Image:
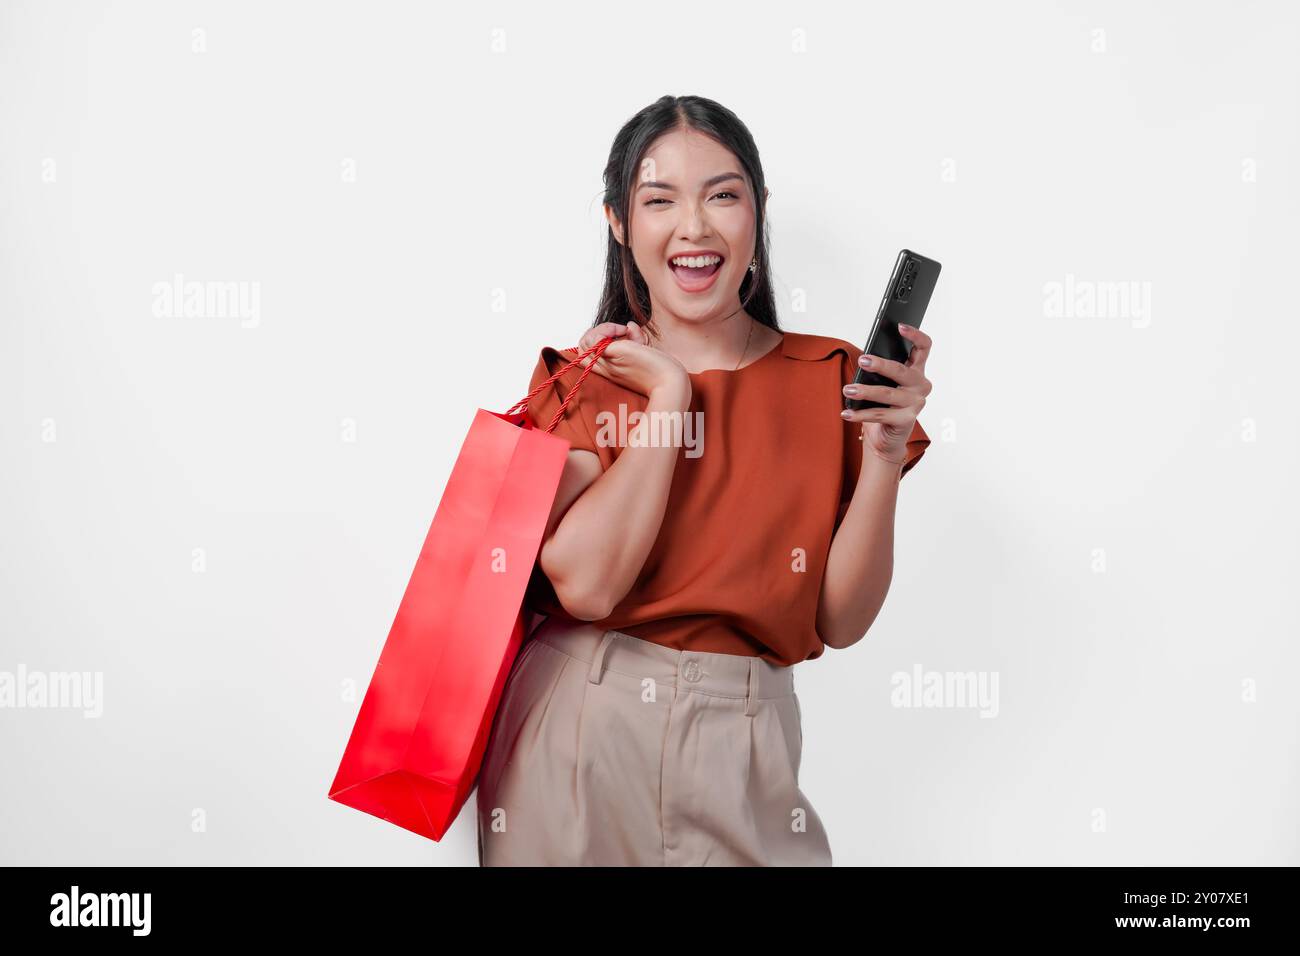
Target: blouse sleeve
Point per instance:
(573, 426)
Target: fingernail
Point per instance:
(864, 360)
(846, 414)
(905, 327)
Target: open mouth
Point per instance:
(695, 273)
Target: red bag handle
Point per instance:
(522, 405)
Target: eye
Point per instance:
(660, 199)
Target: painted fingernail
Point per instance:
(906, 328)
(846, 414)
(850, 390)
(864, 360)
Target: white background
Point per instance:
(1105, 519)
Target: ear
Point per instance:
(615, 226)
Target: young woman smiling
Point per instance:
(651, 718)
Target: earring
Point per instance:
(753, 264)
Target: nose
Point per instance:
(694, 221)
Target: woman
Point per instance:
(700, 549)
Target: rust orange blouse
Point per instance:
(765, 469)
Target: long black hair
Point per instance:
(625, 296)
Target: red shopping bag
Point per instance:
(418, 741)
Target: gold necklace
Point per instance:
(746, 352)
(747, 341)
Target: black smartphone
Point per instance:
(906, 297)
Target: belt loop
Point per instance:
(751, 698)
(598, 659)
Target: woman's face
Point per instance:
(691, 196)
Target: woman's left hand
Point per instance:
(885, 430)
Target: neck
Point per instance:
(715, 342)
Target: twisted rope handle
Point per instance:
(522, 404)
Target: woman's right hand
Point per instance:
(632, 362)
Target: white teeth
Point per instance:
(695, 262)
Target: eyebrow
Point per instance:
(720, 178)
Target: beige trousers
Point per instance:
(608, 750)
